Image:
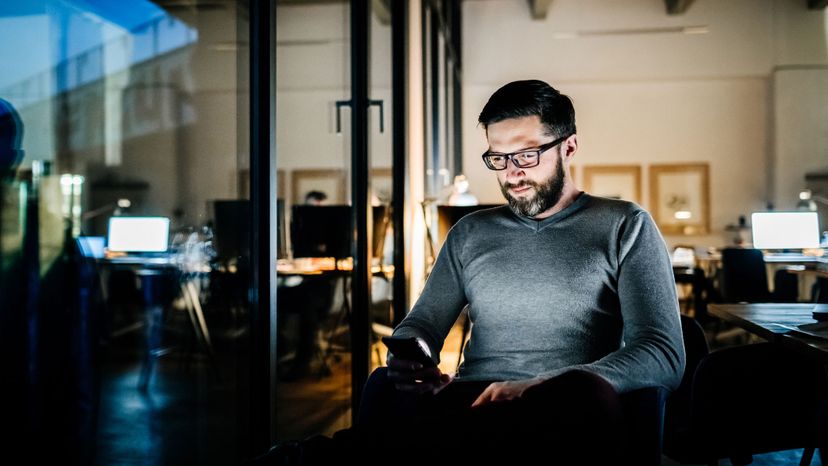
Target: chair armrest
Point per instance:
(644, 416)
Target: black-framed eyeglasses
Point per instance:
(521, 159)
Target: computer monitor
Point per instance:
(231, 229)
(785, 230)
(321, 231)
(138, 234)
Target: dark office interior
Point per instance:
(211, 211)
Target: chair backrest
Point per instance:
(820, 290)
(755, 398)
(677, 412)
(785, 287)
(744, 278)
(695, 349)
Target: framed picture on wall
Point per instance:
(614, 181)
(680, 198)
(330, 181)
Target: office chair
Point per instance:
(678, 435)
(743, 276)
(819, 292)
(643, 410)
(744, 279)
(740, 401)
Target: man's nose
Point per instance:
(512, 167)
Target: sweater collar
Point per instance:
(538, 225)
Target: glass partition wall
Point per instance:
(335, 274)
(125, 345)
(442, 103)
(442, 110)
(313, 147)
(135, 239)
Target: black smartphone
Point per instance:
(409, 348)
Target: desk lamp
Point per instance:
(808, 201)
(116, 207)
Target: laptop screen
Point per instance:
(92, 246)
(138, 234)
(785, 230)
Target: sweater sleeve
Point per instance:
(441, 301)
(653, 350)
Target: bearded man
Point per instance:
(572, 302)
(571, 296)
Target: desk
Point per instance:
(775, 323)
(309, 294)
(711, 264)
(321, 265)
(151, 270)
(817, 273)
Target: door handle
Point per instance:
(380, 104)
(349, 103)
(339, 105)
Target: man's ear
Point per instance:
(570, 147)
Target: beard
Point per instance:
(547, 194)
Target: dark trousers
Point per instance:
(575, 418)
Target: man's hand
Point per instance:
(504, 391)
(410, 376)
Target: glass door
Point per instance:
(333, 141)
(313, 154)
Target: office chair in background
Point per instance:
(740, 401)
(744, 279)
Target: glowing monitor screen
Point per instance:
(92, 246)
(785, 230)
(138, 234)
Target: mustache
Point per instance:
(519, 184)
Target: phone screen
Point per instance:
(408, 348)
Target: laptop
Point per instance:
(139, 236)
(92, 247)
(785, 234)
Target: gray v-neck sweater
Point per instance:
(590, 287)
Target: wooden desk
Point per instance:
(776, 323)
(321, 265)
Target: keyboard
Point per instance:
(789, 257)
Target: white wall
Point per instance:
(801, 143)
(312, 73)
(653, 97)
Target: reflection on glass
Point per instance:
(125, 352)
(314, 278)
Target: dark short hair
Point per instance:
(528, 98)
(316, 196)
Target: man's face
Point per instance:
(530, 191)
